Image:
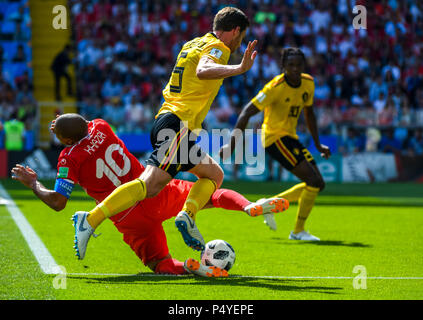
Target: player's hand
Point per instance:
(324, 151)
(25, 175)
(249, 56)
(53, 124)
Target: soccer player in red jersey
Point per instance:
(96, 159)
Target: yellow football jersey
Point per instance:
(187, 96)
(282, 105)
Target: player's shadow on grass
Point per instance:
(411, 203)
(326, 243)
(274, 284)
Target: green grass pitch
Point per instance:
(375, 226)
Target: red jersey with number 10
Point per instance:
(99, 163)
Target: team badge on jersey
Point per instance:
(216, 53)
(63, 172)
(305, 96)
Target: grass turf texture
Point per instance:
(377, 226)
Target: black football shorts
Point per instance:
(289, 152)
(174, 145)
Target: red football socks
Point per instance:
(170, 266)
(229, 200)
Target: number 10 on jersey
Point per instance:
(110, 168)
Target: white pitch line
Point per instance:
(41, 253)
(49, 266)
(239, 276)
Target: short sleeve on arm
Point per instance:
(308, 101)
(264, 98)
(218, 52)
(66, 176)
(67, 169)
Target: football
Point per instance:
(218, 253)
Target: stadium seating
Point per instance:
(135, 43)
(15, 32)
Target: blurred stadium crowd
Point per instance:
(16, 97)
(367, 78)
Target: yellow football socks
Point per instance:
(122, 198)
(293, 194)
(305, 204)
(96, 216)
(198, 196)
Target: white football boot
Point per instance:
(83, 232)
(195, 267)
(189, 231)
(303, 235)
(265, 206)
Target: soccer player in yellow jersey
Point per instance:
(195, 80)
(282, 100)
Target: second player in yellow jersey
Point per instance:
(282, 105)
(282, 100)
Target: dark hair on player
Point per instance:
(287, 52)
(229, 18)
(71, 126)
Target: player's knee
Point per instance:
(218, 178)
(316, 182)
(153, 189)
(214, 172)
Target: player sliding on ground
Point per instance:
(98, 160)
(195, 80)
(282, 100)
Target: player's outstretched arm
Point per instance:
(310, 118)
(28, 178)
(249, 110)
(207, 69)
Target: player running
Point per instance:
(195, 80)
(282, 100)
(98, 160)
